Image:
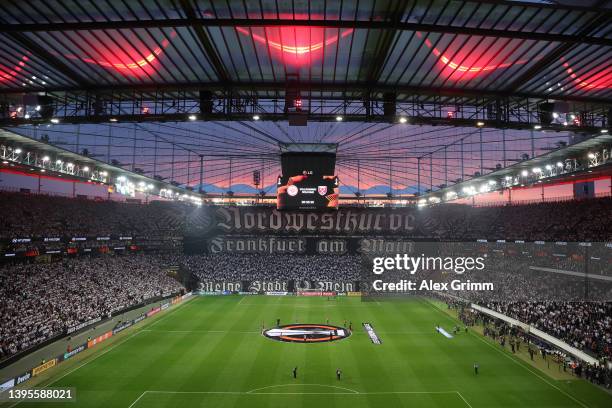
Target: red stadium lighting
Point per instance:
(467, 65)
(296, 45)
(597, 78)
(126, 57)
(7, 73)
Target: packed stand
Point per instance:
(223, 267)
(46, 216)
(584, 220)
(584, 325)
(40, 301)
(578, 323)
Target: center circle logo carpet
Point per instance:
(307, 333)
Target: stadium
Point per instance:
(275, 203)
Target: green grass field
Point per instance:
(209, 353)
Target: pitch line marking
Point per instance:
(531, 371)
(106, 351)
(515, 360)
(137, 399)
(194, 392)
(86, 362)
(202, 331)
(407, 392)
(96, 357)
(286, 305)
(348, 391)
(254, 391)
(259, 332)
(464, 400)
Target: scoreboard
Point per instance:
(308, 181)
(307, 192)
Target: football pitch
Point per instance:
(210, 352)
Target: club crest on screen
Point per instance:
(292, 191)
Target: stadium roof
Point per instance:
(335, 47)
(487, 65)
(54, 160)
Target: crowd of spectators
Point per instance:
(578, 220)
(230, 268)
(47, 216)
(567, 307)
(40, 301)
(584, 325)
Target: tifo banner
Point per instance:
(99, 339)
(258, 286)
(250, 245)
(223, 286)
(264, 230)
(344, 221)
(285, 245)
(261, 286)
(43, 367)
(326, 286)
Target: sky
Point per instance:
(371, 157)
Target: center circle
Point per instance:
(307, 333)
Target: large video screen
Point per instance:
(307, 192)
